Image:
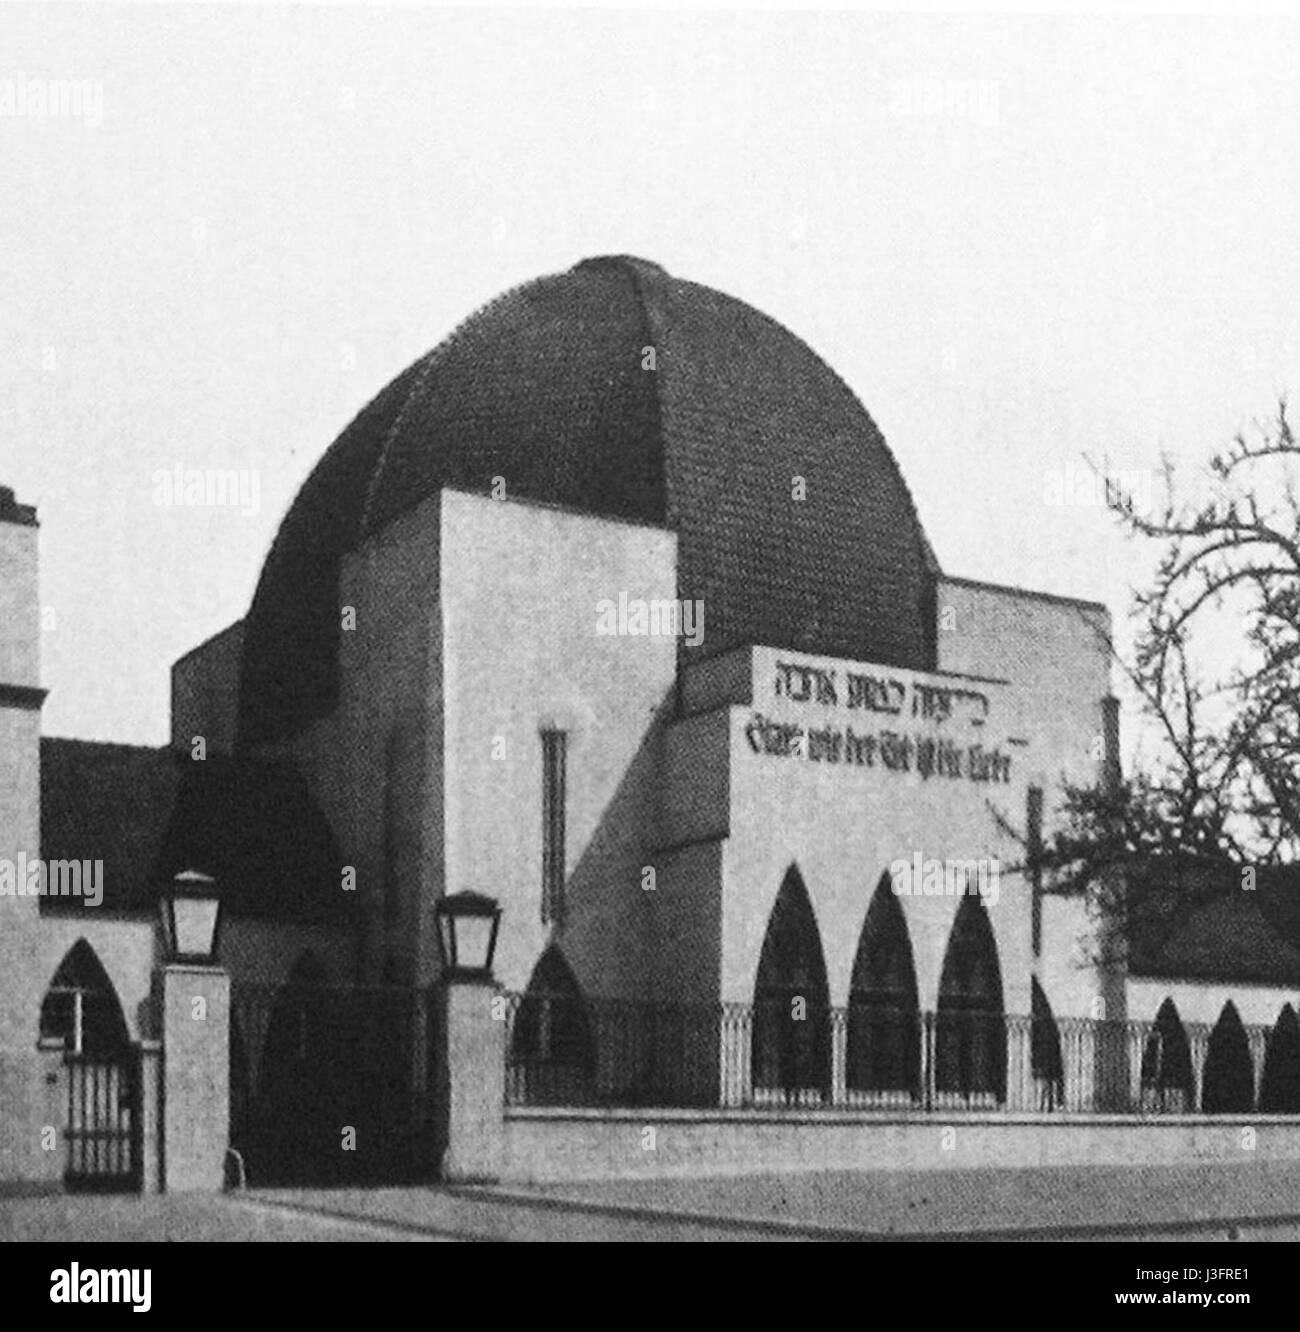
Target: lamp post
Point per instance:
(195, 1035)
(473, 1089)
(191, 918)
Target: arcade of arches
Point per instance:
(881, 1049)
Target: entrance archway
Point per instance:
(81, 1014)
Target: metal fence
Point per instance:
(563, 1050)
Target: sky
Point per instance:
(1022, 241)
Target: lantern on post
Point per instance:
(191, 918)
(467, 935)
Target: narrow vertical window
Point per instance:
(553, 801)
(1110, 769)
(1034, 854)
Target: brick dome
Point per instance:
(547, 386)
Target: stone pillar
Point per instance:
(24, 1114)
(148, 1132)
(1114, 1074)
(49, 1100)
(839, 1023)
(473, 1083)
(196, 1077)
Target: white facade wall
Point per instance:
(844, 823)
(1053, 653)
(520, 589)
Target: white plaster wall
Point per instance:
(520, 588)
(20, 627)
(843, 825)
(1052, 651)
(1067, 968)
(22, 953)
(549, 1146)
(1200, 1002)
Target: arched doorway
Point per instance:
(970, 1054)
(1279, 1087)
(1045, 1051)
(1167, 1064)
(883, 1051)
(81, 1015)
(552, 1049)
(1228, 1083)
(791, 1044)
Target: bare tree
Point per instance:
(1227, 586)
(1216, 665)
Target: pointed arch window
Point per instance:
(554, 767)
(552, 1047)
(1228, 1083)
(970, 1029)
(791, 1043)
(1045, 1051)
(1279, 1087)
(1167, 1064)
(80, 1010)
(883, 1050)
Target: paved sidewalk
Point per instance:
(1213, 1202)
(976, 1202)
(1224, 1202)
(62, 1219)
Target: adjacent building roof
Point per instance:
(1201, 924)
(621, 391)
(147, 813)
(13, 512)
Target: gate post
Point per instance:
(196, 1077)
(475, 1084)
(472, 1072)
(148, 1137)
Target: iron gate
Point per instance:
(332, 1085)
(103, 1128)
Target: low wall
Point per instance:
(555, 1145)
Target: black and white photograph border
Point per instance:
(649, 624)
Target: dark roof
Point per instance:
(545, 387)
(13, 512)
(1199, 923)
(111, 803)
(147, 813)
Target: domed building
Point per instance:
(607, 435)
(616, 608)
(617, 391)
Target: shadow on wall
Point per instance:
(608, 913)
